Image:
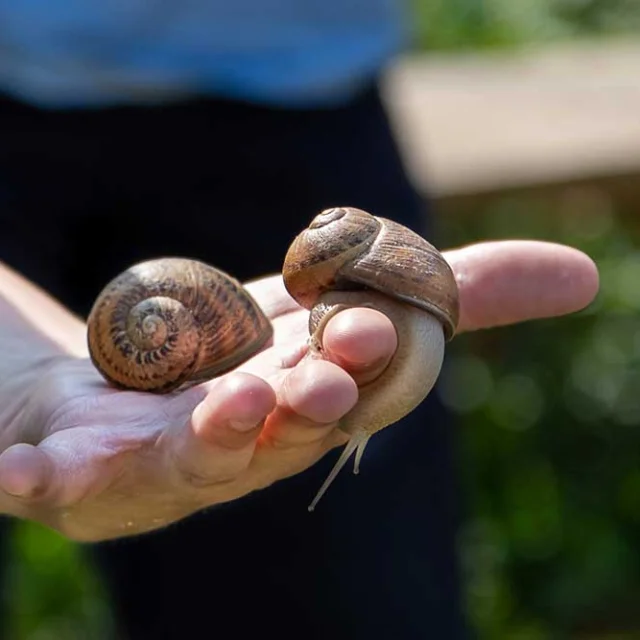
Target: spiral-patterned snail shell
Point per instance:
(170, 323)
(350, 258)
(347, 249)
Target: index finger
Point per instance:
(511, 281)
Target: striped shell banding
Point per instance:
(170, 323)
(347, 249)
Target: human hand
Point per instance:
(96, 463)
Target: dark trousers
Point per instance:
(85, 194)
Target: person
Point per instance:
(216, 130)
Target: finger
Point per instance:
(24, 474)
(506, 282)
(311, 399)
(361, 341)
(67, 467)
(218, 441)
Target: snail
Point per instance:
(167, 324)
(348, 257)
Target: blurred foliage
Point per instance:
(481, 24)
(550, 434)
(549, 411)
(50, 589)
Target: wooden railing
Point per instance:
(483, 123)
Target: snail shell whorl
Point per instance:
(173, 322)
(349, 249)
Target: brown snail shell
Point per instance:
(170, 323)
(347, 249)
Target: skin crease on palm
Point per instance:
(95, 463)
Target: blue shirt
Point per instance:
(77, 53)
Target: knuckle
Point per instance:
(193, 476)
(194, 479)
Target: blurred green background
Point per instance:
(550, 435)
(549, 411)
(480, 24)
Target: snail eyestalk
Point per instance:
(357, 443)
(359, 453)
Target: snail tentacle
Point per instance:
(357, 443)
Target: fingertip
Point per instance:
(576, 277)
(23, 471)
(360, 336)
(362, 341)
(319, 391)
(240, 400)
(589, 279)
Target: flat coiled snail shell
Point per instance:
(347, 258)
(170, 323)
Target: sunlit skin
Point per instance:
(95, 463)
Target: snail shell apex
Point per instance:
(170, 323)
(349, 249)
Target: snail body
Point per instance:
(169, 323)
(347, 258)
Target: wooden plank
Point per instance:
(485, 122)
